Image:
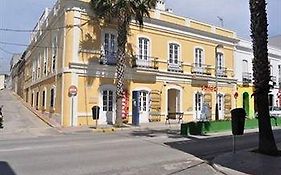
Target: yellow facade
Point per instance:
(164, 87)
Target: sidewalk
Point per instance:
(248, 162)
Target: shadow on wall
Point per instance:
(5, 169)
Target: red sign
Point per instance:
(72, 90)
(209, 88)
(235, 95)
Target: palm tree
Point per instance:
(122, 11)
(261, 70)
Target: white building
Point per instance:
(244, 75)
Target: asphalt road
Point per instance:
(29, 147)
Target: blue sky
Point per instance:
(23, 14)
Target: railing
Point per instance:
(175, 67)
(274, 80)
(222, 72)
(246, 77)
(109, 58)
(143, 61)
(201, 69)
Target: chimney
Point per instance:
(160, 5)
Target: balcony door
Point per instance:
(199, 61)
(110, 47)
(220, 64)
(144, 54)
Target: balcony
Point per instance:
(273, 80)
(222, 72)
(142, 61)
(175, 67)
(246, 77)
(201, 69)
(109, 58)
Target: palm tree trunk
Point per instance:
(123, 26)
(261, 75)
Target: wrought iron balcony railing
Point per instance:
(201, 69)
(143, 61)
(246, 77)
(222, 72)
(175, 67)
(108, 58)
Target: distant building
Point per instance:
(3, 81)
(275, 41)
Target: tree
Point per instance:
(261, 68)
(122, 12)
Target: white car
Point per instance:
(275, 111)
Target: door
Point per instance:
(107, 115)
(198, 105)
(220, 64)
(37, 100)
(221, 106)
(198, 60)
(143, 106)
(110, 48)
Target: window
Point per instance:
(245, 66)
(33, 70)
(107, 100)
(45, 69)
(144, 48)
(52, 101)
(198, 57)
(174, 50)
(220, 61)
(143, 101)
(54, 53)
(39, 66)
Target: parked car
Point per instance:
(275, 111)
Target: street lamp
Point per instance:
(219, 46)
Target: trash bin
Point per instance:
(238, 116)
(96, 112)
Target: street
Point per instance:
(29, 147)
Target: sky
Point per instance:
(23, 14)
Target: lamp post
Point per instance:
(219, 46)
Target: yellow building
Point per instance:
(170, 64)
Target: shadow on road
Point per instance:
(5, 169)
(209, 148)
(171, 133)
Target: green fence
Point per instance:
(200, 128)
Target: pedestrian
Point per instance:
(1, 117)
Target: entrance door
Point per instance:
(221, 106)
(107, 115)
(198, 105)
(37, 100)
(144, 106)
(270, 100)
